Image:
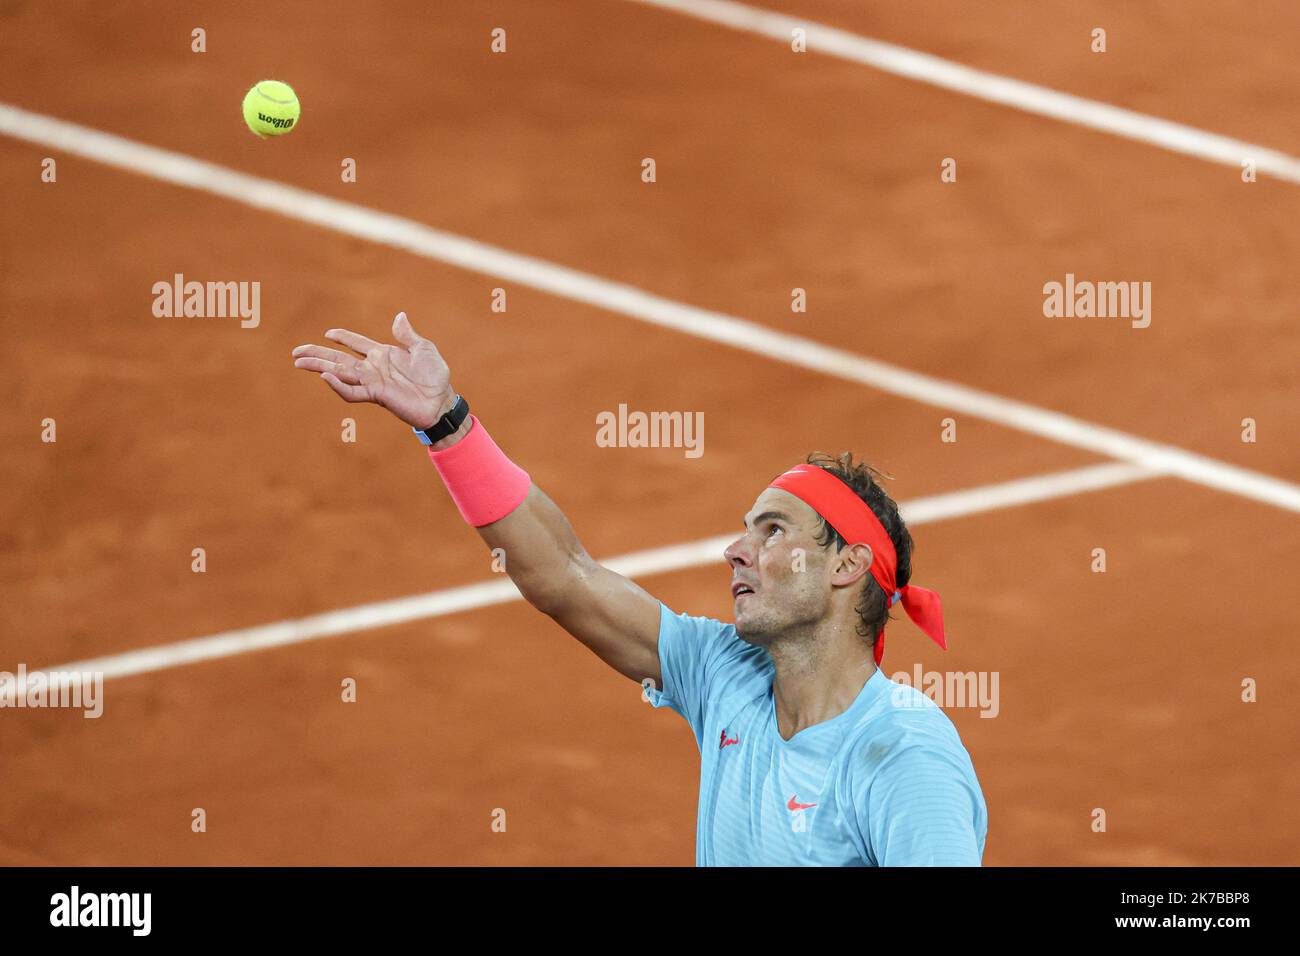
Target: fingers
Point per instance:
(349, 393)
(318, 358)
(356, 342)
(404, 333)
(322, 352)
(345, 371)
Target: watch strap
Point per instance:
(446, 425)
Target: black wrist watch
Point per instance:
(444, 426)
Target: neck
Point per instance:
(819, 674)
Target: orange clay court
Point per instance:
(1120, 691)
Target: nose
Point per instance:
(737, 554)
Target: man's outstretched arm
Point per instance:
(609, 613)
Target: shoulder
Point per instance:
(714, 649)
(714, 642)
(912, 784)
(905, 738)
(899, 713)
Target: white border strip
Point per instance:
(636, 564)
(1028, 97)
(422, 240)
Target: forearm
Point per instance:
(539, 550)
(523, 527)
(608, 612)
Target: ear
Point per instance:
(851, 564)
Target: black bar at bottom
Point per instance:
(331, 906)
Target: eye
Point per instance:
(772, 528)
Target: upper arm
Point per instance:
(612, 615)
(609, 613)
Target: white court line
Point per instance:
(1029, 97)
(502, 591)
(408, 235)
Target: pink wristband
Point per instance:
(484, 483)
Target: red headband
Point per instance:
(857, 524)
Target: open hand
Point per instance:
(409, 379)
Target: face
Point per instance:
(788, 575)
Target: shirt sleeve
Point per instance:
(693, 652)
(924, 807)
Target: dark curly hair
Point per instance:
(873, 608)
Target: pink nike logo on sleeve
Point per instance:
(793, 805)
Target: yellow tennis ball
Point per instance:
(271, 108)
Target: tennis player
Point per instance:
(810, 755)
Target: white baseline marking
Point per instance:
(406, 234)
(634, 565)
(1028, 97)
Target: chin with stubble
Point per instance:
(769, 615)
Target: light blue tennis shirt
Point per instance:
(885, 783)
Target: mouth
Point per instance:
(740, 589)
